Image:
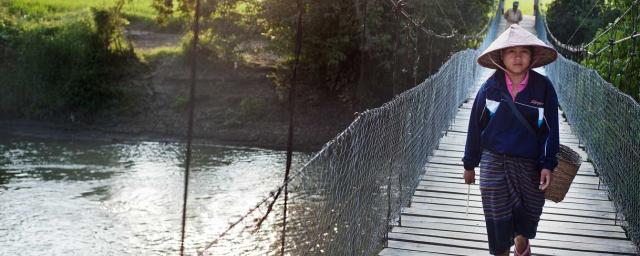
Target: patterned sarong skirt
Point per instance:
(511, 200)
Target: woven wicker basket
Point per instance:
(568, 164)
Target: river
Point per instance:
(92, 198)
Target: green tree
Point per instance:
(619, 64)
(334, 45)
(577, 20)
(357, 51)
(589, 19)
(225, 25)
(55, 69)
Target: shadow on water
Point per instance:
(61, 161)
(100, 193)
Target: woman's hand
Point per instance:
(469, 176)
(545, 179)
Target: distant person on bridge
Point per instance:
(513, 136)
(513, 15)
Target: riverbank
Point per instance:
(234, 106)
(236, 103)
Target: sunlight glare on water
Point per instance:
(88, 198)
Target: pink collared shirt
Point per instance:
(518, 88)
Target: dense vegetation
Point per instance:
(66, 58)
(590, 18)
(349, 48)
(56, 65)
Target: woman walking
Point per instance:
(513, 136)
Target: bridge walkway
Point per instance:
(437, 223)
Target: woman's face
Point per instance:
(516, 59)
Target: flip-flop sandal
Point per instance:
(526, 252)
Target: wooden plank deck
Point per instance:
(436, 223)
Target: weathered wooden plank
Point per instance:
(540, 235)
(460, 154)
(474, 201)
(476, 206)
(457, 178)
(574, 198)
(430, 248)
(586, 170)
(427, 243)
(435, 169)
(573, 192)
(549, 240)
(456, 174)
(446, 193)
(451, 147)
(403, 252)
(559, 220)
(544, 226)
(548, 214)
(576, 187)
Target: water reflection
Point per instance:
(85, 198)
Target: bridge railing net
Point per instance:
(607, 121)
(344, 200)
(341, 201)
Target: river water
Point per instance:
(90, 198)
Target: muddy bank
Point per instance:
(234, 106)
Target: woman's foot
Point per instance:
(522, 246)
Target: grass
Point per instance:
(526, 6)
(139, 8)
(151, 55)
(59, 60)
(51, 10)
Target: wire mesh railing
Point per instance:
(345, 200)
(607, 121)
(492, 31)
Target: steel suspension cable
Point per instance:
(194, 55)
(292, 92)
(614, 23)
(582, 21)
(399, 5)
(583, 48)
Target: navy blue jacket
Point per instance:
(494, 127)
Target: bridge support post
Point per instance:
(611, 45)
(386, 236)
(400, 189)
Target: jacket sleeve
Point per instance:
(550, 141)
(473, 147)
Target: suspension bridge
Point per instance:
(439, 223)
(391, 183)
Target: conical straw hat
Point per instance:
(515, 35)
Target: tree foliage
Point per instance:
(395, 56)
(356, 50)
(62, 68)
(583, 17)
(225, 25)
(618, 64)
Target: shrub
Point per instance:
(64, 67)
